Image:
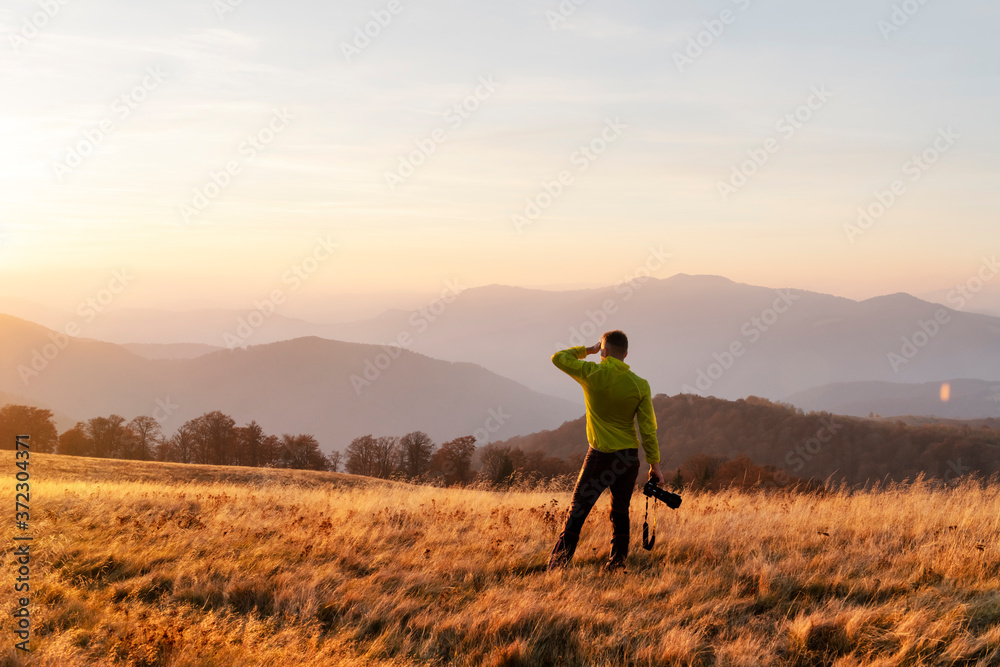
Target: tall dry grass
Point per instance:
(191, 565)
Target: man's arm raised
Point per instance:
(571, 361)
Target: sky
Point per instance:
(217, 150)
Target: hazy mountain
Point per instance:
(298, 386)
(25, 309)
(62, 420)
(207, 326)
(810, 446)
(967, 399)
(694, 334)
(683, 331)
(170, 350)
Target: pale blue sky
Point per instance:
(656, 184)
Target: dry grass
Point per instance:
(297, 568)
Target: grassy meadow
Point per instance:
(166, 564)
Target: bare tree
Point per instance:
(361, 456)
(214, 438)
(498, 468)
(181, 445)
(145, 434)
(110, 436)
(415, 451)
(386, 455)
(301, 451)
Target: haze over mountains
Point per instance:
(689, 334)
(684, 331)
(306, 385)
(967, 399)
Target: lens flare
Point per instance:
(945, 392)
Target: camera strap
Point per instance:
(647, 541)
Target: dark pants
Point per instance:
(617, 471)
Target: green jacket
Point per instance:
(615, 397)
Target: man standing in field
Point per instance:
(616, 398)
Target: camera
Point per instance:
(672, 500)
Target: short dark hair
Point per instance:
(616, 339)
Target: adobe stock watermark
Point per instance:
(587, 330)
(899, 17)
(32, 26)
(224, 7)
(87, 310)
(164, 409)
(802, 453)
(582, 158)
(752, 330)
(426, 146)
(954, 471)
(927, 330)
(912, 170)
(703, 40)
(786, 127)
(295, 276)
(370, 30)
(924, 333)
(419, 321)
(219, 180)
(496, 419)
(962, 294)
(562, 12)
(92, 137)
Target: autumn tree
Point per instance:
(250, 446)
(497, 468)
(386, 456)
(76, 442)
(110, 437)
(453, 460)
(145, 436)
(18, 420)
(415, 451)
(361, 456)
(214, 438)
(302, 452)
(180, 447)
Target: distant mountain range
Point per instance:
(333, 390)
(966, 399)
(705, 335)
(170, 350)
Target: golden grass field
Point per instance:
(167, 564)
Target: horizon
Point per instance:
(361, 307)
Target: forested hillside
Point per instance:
(813, 445)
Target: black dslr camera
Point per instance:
(672, 500)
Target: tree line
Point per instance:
(213, 439)
(415, 457)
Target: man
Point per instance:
(615, 398)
